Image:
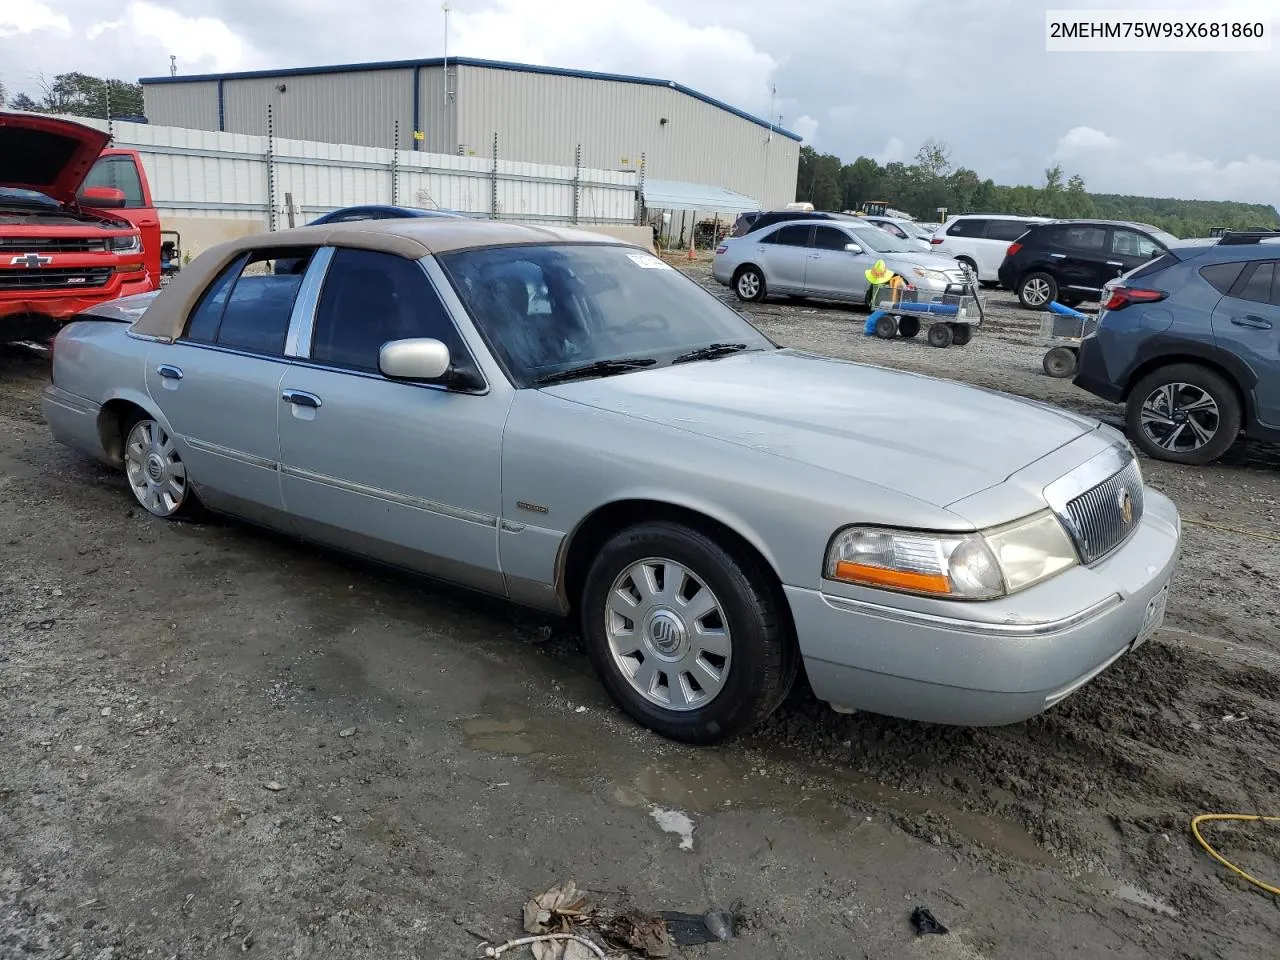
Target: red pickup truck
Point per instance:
(77, 224)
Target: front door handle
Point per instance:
(1114, 263)
(169, 372)
(1058, 256)
(301, 398)
(1256, 323)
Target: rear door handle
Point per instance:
(169, 372)
(1114, 263)
(301, 398)
(1058, 256)
(1257, 323)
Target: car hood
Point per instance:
(47, 154)
(933, 440)
(925, 258)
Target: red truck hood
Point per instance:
(47, 154)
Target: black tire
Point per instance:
(190, 507)
(749, 270)
(940, 335)
(1030, 287)
(1223, 428)
(908, 326)
(961, 333)
(1060, 362)
(886, 327)
(764, 656)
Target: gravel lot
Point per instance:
(439, 758)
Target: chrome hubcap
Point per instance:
(668, 634)
(1036, 292)
(1180, 417)
(156, 474)
(748, 285)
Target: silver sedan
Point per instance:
(565, 421)
(828, 260)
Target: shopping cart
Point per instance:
(950, 317)
(1062, 333)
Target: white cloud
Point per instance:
(894, 151)
(17, 18)
(806, 127)
(638, 38)
(1084, 139)
(200, 40)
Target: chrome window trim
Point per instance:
(302, 321)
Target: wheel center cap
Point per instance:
(667, 633)
(155, 468)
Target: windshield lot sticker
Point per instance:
(648, 262)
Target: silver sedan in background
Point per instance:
(828, 260)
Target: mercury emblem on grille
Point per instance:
(1126, 506)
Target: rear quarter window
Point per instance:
(1220, 276)
(967, 228)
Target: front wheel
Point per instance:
(687, 637)
(155, 471)
(1060, 362)
(940, 335)
(748, 284)
(1183, 413)
(961, 333)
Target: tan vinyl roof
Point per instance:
(410, 237)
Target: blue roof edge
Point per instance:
(473, 62)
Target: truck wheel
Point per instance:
(1183, 413)
(1060, 362)
(688, 637)
(961, 333)
(940, 335)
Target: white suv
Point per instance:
(979, 240)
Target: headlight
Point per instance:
(927, 274)
(131, 244)
(973, 566)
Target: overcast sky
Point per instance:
(852, 76)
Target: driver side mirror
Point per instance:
(852, 248)
(104, 198)
(423, 360)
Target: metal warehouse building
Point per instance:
(538, 114)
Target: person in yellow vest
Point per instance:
(879, 275)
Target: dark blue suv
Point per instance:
(1190, 343)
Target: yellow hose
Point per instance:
(1243, 533)
(1243, 817)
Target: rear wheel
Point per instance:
(155, 471)
(688, 637)
(961, 333)
(1184, 413)
(908, 326)
(748, 284)
(970, 265)
(886, 327)
(940, 335)
(1036, 290)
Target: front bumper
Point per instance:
(64, 303)
(1028, 652)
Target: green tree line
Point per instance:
(932, 181)
(80, 95)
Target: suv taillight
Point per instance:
(1122, 297)
(722, 248)
(935, 240)
(1013, 249)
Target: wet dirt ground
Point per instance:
(216, 742)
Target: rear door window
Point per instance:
(1006, 230)
(1082, 239)
(249, 305)
(792, 236)
(968, 228)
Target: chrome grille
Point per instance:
(1097, 516)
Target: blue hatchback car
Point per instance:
(376, 211)
(1190, 343)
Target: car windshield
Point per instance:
(548, 310)
(881, 241)
(18, 196)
